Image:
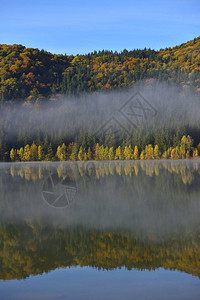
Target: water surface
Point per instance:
(100, 230)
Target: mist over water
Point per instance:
(160, 198)
(82, 218)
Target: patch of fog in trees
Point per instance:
(172, 106)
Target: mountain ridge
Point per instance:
(30, 73)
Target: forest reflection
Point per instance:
(142, 215)
(36, 171)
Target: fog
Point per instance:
(159, 198)
(150, 104)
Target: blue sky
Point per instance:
(71, 27)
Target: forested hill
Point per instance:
(27, 73)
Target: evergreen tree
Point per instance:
(49, 155)
(40, 153)
(69, 150)
(74, 151)
(34, 152)
(96, 153)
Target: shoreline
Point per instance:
(97, 161)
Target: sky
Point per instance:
(82, 26)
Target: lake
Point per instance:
(100, 230)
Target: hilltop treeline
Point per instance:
(27, 73)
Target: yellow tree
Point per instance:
(118, 153)
(169, 152)
(101, 152)
(156, 152)
(128, 152)
(58, 152)
(198, 148)
(142, 155)
(81, 154)
(89, 154)
(187, 154)
(136, 153)
(27, 153)
(186, 146)
(106, 152)
(63, 152)
(12, 154)
(165, 155)
(111, 154)
(20, 153)
(195, 152)
(149, 153)
(173, 153)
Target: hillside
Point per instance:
(27, 73)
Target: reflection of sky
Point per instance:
(87, 283)
(82, 26)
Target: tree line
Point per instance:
(72, 152)
(32, 74)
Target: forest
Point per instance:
(33, 74)
(38, 83)
(100, 152)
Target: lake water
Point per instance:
(100, 230)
